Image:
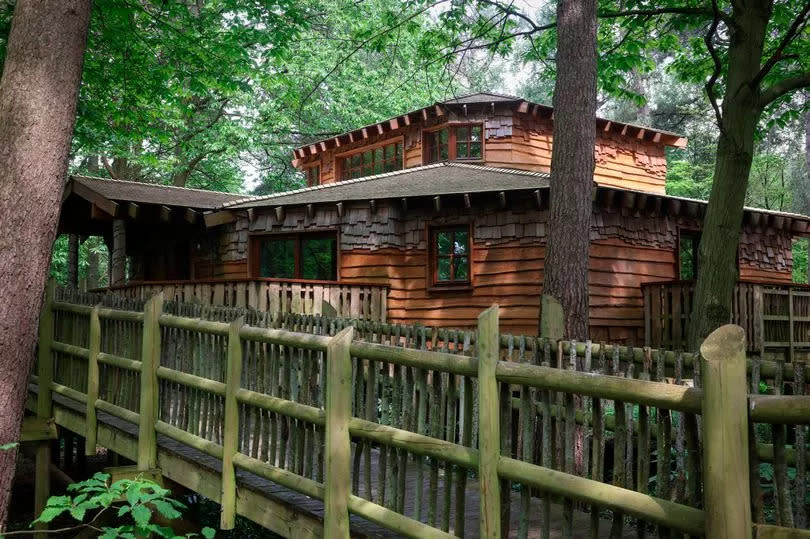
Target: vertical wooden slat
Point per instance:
(784, 511)
(45, 368)
(231, 427)
(150, 360)
(92, 382)
(800, 492)
(725, 434)
(338, 442)
(489, 429)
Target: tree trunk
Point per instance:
(73, 261)
(572, 164)
(805, 193)
(93, 276)
(38, 94)
(118, 256)
(717, 254)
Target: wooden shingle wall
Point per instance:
(389, 247)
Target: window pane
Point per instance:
(319, 259)
(462, 133)
(461, 268)
(444, 241)
(378, 155)
(357, 160)
(277, 259)
(460, 246)
(688, 257)
(475, 149)
(443, 271)
(475, 133)
(443, 137)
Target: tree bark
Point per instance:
(572, 164)
(805, 195)
(38, 92)
(93, 276)
(717, 254)
(73, 261)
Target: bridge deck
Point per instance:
(304, 513)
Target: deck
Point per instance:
(199, 472)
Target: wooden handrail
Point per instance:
(186, 282)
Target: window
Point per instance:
(450, 249)
(313, 175)
(374, 161)
(688, 254)
(454, 143)
(301, 256)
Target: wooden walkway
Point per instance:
(122, 435)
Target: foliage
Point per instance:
(800, 274)
(9, 446)
(92, 245)
(134, 501)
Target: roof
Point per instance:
(429, 180)
(625, 129)
(150, 193)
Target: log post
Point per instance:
(338, 444)
(118, 255)
(150, 360)
(73, 262)
(42, 459)
(489, 435)
(230, 436)
(92, 382)
(725, 434)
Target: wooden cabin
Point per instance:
(432, 216)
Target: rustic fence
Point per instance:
(349, 300)
(776, 318)
(420, 413)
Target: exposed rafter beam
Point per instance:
(133, 210)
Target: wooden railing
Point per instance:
(349, 300)
(776, 318)
(290, 407)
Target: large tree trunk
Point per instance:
(717, 255)
(805, 194)
(572, 164)
(38, 94)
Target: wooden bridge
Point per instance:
(316, 427)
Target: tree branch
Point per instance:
(718, 66)
(790, 35)
(784, 86)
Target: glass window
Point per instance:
(277, 258)
(454, 142)
(375, 161)
(304, 256)
(452, 255)
(468, 142)
(313, 175)
(688, 254)
(438, 145)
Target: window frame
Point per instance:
(255, 260)
(685, 232)
(306, 170)
(434, 284)
(452, 141)
(340, 157)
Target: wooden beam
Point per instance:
(534, 109)
(777, 222)
(674, 207)
(641, 202)
(608, 126)
(538, 199)
(393, 124)
(310, 211)
(372, 206)
(313, 149)
(380, 129)
(755, 218)
(404, 203)
(502, 200)
(103, 203)
(489, 439)
(323, 146)
(351, 138)
(191, 216)
(251, 213)
(407, 119)
(523, 107)
(338, 144)
(624, 129)
(628, 200)
(339, 207)
(219, 218)
(365, 132)
(437, 203)
(641, 133)
(279, 210)
(467, 201)
(440, 110)
(165, 213)
(133, 210)
(425, 114)
(36, 429)
(657, 137)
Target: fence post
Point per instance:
(338, 444)
(42, 460)
(230, 436)
(92, 383)
(150, 360)
(725, 434)
(489, 436)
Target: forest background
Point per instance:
(229, 118)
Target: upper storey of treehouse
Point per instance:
(488, 129)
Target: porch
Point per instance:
(776, 317)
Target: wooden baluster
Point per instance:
(230, 437)
(150, 360)
(489, 418)
(725, 434)
(92, 383)
(338, 443)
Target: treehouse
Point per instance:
(433, 215)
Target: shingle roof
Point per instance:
(150, 193)
(429, 180)
(481, 97)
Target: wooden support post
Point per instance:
(118, 254)
(338, 444)
(725, 434)
(92, 382)
(42, 460)
(230, 436)
(150, 360)
(489, 435)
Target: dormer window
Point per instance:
(376, 160)
(313, 173)
(454, 143)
